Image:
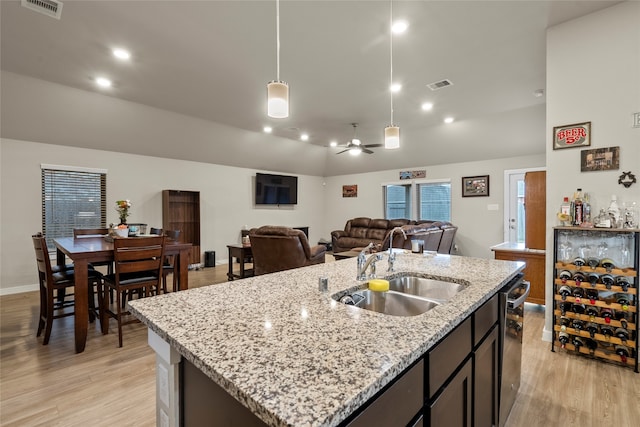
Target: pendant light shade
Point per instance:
(277, 90)
(278, 99)
(391, 132)
(391, 137)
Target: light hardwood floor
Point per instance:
(110, 386)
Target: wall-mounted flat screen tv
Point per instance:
(276, 189)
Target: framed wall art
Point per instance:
(349, 191)
(575, 135)
(473, 186)
(600, 159)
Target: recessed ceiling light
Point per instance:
(399, 27)
(448, 120)
(121, 54)
(267, 129)
(427, 106)
(396, 87)
(304, 137)
(333, 144)
(103, 82)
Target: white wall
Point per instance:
(479, 228)
(593, 69)
(226, 199)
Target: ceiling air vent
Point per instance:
(440, 84)
(50, 8)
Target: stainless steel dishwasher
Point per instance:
(512, 298)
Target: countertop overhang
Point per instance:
(296, 357)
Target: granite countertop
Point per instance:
(296, 357)
(516, 247)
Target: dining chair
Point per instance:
(54, 306)
(138, 267)
(168, 263)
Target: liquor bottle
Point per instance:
(614, 212)
(565, 207)
(586, 208)
(578, 208)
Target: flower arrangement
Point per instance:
(122, 206)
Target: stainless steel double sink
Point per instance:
(407, 296)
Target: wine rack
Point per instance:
(595, 293)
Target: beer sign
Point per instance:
(576, 135)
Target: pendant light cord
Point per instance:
(391, 57)
(278, 40)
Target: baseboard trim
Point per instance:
(18, 289)
(547, 335)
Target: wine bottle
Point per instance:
(592, 294)
(607, 280)
(579, 262)
(578, 308)
(623, 317)
(592, 328)
(593, 263)
(606, 330)
(564, 292)
(578, 324)
(564, 307)
(608, 264)
(592, 345)
(606, 313)
(592, 312)
(623, 300)
(565, 275)
(623, 352)
(577, 342)
(622, 333)
(623, 282)
(578, 293)
(563, 337)
(593, 279)
(579, 278)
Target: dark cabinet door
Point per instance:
(452, 408)
(486, 358)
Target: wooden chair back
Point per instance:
(140, 256)
(89, 232)
(42, 256)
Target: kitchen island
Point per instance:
(291, 354)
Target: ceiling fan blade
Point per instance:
(364, 150)
(372, 145)
(340, 152)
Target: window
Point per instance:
(72, 198)
(397, 201)
(434, 200)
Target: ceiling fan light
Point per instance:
(391, 137)
(278, 99)
(355, 141)
(355, 151)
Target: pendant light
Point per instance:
(277, 90)
(391, 132)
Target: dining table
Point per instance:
(86, 250)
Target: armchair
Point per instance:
(277, 248)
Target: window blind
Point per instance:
(72, 199)
(434, 200)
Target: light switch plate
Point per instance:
(636, 120)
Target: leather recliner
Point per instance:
(278, 248)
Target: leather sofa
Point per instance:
(276, 248)
(359, 232)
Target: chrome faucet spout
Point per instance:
(404, 235)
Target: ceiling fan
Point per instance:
(355, 146)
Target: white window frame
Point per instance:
(413, 191)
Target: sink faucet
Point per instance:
(364, 263)
(392, 255)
